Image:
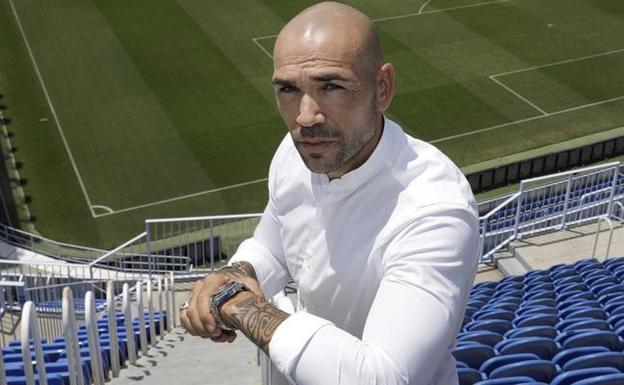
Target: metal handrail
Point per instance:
(600, 220)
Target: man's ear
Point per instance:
(385, 86)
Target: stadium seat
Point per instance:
(493, 314)
(602, 359)
(544, 347)
(536, 320)
(496, 362)
(586, 313)
(607, 379)
(532, 331)
(604, 338)
(573, 376)
(482, 336)
(561, 358)
(583, 323)
(539, 370)
(536, 310)
(468, 376)
(473, 355)
(496, 326)
(508, 381)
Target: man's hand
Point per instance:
(197, 318)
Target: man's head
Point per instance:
(331, 86)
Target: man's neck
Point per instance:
(362, 156)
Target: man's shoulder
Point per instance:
(428, 176)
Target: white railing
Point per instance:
(206, 241)
(552, 202)
(542, 204)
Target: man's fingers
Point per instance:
(226, 336)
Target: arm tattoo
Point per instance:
(234, 273)
(257, 320)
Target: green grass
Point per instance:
(160, 99)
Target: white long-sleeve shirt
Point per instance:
(384, 259)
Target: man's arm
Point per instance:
(257, 319)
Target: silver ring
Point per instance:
(184, 306)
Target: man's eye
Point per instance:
(286, 89)
(331, 87)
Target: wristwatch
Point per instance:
(226, 292)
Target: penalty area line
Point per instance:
(193, 195)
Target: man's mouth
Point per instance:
(315, 144)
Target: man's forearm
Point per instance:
(257, 320)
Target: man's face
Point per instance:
(328, 103)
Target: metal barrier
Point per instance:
(30, 332)
(541, 204)
(95, 354)
(207, 241)
(70, 327)
(550, 203)
(600, 221)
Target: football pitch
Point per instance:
(122, 111)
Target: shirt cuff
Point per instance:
(291, 337)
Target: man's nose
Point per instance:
(309, 112)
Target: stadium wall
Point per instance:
(512, 173)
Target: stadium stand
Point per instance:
(561, 325)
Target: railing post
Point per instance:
(518, 211)
(161, 315)
(150, 310)
(566, 202)
(127, 311)
(613, 188)
(167, 303)
(211, 224)
(74, 362)
(141, 315)
(30, 328)
(95, 354)
(149, 249)
(112, 328)
(174, 310)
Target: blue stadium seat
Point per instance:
(601, 280)
(545, 348)
(52, 379)
(546, 302)
(602, 359)
(496, 362)
(483, 337)
(564, 272)
(566, 313)
(573, 376)
(538, 286)
(493, 314)
(532, 331)
(473, 355)
(575, 302)
(541, 294)
(536, 310)
(583, 323)
(536, 320)
(607, 379)
(567, 280)
(539, 370)
(561, 358)
(587, 313)
(508, 381)
(576, 295)
(496, 326)
(604, 338)
(573, 286)
(468, 376)
(501, 305)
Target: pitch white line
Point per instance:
(54, 116)
(438, 10)
(445, 139)
(255, 40)
(560, 62)
(105, 208)
(420, 11)
(183, 197)
(518, 95)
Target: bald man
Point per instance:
(378, 230)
